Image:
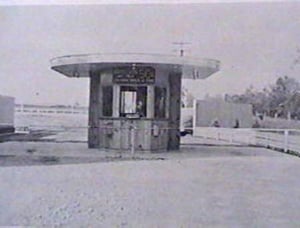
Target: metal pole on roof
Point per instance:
(181, 45)
(132, 134)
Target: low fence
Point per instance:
(239, 135)
(132, 136)
(287, 140)
(57, 133)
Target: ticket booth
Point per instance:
(135, 99)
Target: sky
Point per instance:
(256, 42)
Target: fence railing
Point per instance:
(130, 136)
(287, 140)
(284, 139)
(239, 135)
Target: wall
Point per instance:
(226, 113)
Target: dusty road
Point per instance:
(248, 187)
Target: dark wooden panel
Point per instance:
(174, 111)
(93, 139)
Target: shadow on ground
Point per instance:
(33, 149)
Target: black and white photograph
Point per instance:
(149, 113)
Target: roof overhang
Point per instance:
(82, 65)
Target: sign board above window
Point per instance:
(134, 75)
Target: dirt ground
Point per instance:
(65, 184)
(39, 152)
(45, 147)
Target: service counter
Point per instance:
(143, 134)
(134, 106)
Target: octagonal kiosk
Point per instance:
(135, 99)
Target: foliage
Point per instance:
(279, 99)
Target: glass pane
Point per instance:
(133, 101)
(129, 102)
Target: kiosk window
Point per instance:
(133, 101)
(107, 100)
(160, 102)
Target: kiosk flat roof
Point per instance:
(81, 65)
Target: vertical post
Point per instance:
(93, 133)
(174, 111)
(231, 137)
(116, 100)
(249, 141)
(268, 140)
(194, 116)
(150, 101)
(254, 134)
(132, 134)
(286, 141)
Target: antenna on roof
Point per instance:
(181, 45)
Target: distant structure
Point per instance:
(210, 112)
(34, 109)
(187, 98)
(7, 114)
(135, 98)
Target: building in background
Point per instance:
(7, 109)
(34, 109)
(219, 113)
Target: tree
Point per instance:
(270, 100)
